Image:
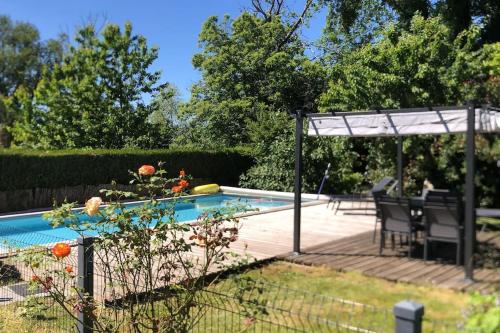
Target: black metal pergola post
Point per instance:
(470, 198)
(400, 166)
(299, 123)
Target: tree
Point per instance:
(400, 70)
(22, 57)
(248, 74)
(461, 14)
(19, 55)
(270, 9)
(4, 119)
(94, 97)
(361, 17)
(164, 113)
(424, 65)
(165, 105)
(352, 24)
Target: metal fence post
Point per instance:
(85, 279)
(299, 123)
(408, 316)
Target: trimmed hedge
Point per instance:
(29, 169)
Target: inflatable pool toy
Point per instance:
(206, 189)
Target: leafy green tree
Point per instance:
(94, 97)
(254, 72)
(19, 55)
(275, 170)
(400, 70)
(422, 66)
(22, 57)
(165, 105)
(251, 66)
(4, 119)
(352, 24)
(475, 72)
(459, 15)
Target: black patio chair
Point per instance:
(396, 219)
(443, 221)
(378, 213)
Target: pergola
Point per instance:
(398, 123)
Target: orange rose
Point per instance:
(177, 189)
(36, 278)
(61, 250)
(69, 269)
(183, 183)
(182, 173)
(146, 170)
(92, 205)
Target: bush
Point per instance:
(483, 313)
(28, 169)
(153, 271)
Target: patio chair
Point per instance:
(383, 187)
(443, 221)
(396, 219)
(378, 213)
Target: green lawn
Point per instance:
(311, 294)
(441, 305)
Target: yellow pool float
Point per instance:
(206, 189)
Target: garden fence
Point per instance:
(233, 304)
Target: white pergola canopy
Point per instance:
(401, 123)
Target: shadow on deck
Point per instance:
(358, 253)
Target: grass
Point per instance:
(298, 293)
(441, 305)
(55, 320)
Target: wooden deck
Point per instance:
(358, 253)
(342, 239)
(270, 235)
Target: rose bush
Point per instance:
(151, 269)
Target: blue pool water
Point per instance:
(28, 230)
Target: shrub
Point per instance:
(27, 169)
(152, 276)
(483, 313)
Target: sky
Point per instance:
(171, 25)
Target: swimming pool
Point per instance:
(31, 229)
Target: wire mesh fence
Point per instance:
(235, 304)
(262, 306)
(24, 295)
